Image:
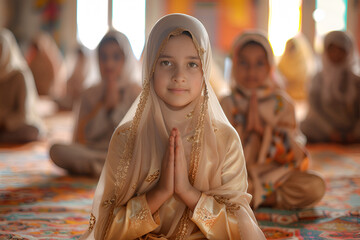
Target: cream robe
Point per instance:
(211, 146)
(214, 216)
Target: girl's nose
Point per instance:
(179, 75)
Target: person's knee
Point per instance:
(55, 152)
(318, 189)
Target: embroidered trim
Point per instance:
(190, 138)
(205, 216)
(92, 222)
(123, 131)
(196, 146)
(138, 219)
(126, 156)
(151, 178)
(183, 226)
(230, 206)
(107, 203)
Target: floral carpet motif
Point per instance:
(40, 201)
(337, 215)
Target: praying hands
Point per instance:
(253, 118)
(174, 177)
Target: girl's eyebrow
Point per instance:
(189, 57)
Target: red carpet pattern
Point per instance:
(40, 201)
(337, 216)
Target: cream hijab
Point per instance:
(147, 126)
(131, 69)
(272, 82)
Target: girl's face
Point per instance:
(111, 61)
(336, 54)
(252, 67)
(178, 72)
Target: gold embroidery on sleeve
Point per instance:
(138, 219)
(230, 207)
(92, 222)
(205, 216)
(153, 176)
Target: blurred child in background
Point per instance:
(263, 114)
(102, 107)
(19, 121)
(334, 95)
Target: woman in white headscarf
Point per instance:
(334, 94)
(139, 158)
(18, 119)
(102, 107)
(264, 116)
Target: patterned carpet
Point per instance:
(40, 201)
(337, 216)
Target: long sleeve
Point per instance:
(133, 220)
(216, 222)
(223, 212)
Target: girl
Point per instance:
(334, 96)
(264, 117)
(101, 108)
(175, 168)
(19, 121)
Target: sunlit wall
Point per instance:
(284, 22)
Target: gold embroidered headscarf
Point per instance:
(142, 137)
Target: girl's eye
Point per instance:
(193, 65)
(117, 57)
(260, 63)
(243, 63)
(165, 63)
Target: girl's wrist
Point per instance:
(190, 197)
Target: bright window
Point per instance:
(128, 17)
(329, 15)
(92, 21)
(284, 22)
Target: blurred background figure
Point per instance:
(19, 122)
(75, 83)
(264, 116)
(102, 107)
(297, 64)
(47, 65)
(334, 95)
